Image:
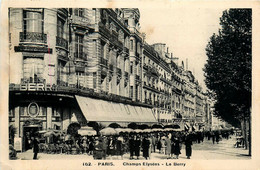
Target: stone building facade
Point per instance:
(60, 56)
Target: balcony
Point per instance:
(154, 71)
(148, 101)
(145, 66)
(35, 37)
(166, 80)
(119, 72)
(80, 55)
(80, 20)
(138, 56)
(119, 75)
(137, 77)
(126, 50)
(103, 30)
(126, 75)
(119, 44)
(114, 34)
(61, 42)
(111, 68)
(103, 62)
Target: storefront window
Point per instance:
(44, 111)
(22, 111)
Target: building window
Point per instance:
(60, 27)
(131, 67)
(79, 46)
(103, 52)
(33, 20)
(131, 91)
(33, 69)
(79, 12)
(94, 80)
(131, 45)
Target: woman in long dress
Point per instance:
(177, 148)
(159, 145)
(168, 145)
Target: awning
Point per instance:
(106, 111)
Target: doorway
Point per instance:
(29, 132)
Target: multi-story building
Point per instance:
(74, 65)
(82, 65)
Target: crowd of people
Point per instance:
(136, 144)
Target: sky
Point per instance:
(185, 30)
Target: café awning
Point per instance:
(107, 111)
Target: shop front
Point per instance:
(34, 111)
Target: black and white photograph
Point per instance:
(156, 86)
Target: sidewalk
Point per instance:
(203, 151)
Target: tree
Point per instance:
(228, 68)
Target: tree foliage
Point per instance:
(228, 68)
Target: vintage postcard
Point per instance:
(129, 84)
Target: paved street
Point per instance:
(205, 150)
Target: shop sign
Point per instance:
(33, 109)
(37, 87)
(18, 144)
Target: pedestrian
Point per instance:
(217, 137)
(145, 146)
(168, 145)
(104, 146)
(159, 145)
(177, 147)
(35, 147)
(137, 147)
(131, 144)
(119, 146)
(188, 148)
(213, 138)
(154, 142)
(97, 153)
(150, 145)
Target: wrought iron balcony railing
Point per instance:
(111, 67)
(103, 61)
(126, 50)
(118, 71)
(36, 37)
(126, 75)
(80, 55)
(61, 42)
(137, 77)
